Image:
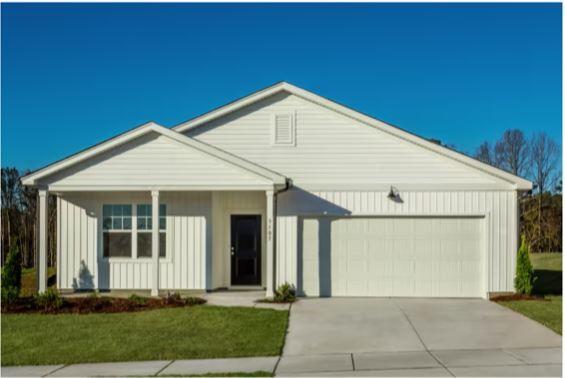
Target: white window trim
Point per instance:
(133, 239)
(292, 142)
(134, 231)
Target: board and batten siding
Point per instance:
(498, 207)
(79, 239)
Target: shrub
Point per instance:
(192, 301)
(173, 299)
(137, 299)
(285, 293)
(524, 281)
(12, 276)
(48, 301)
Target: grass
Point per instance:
(167, 334)
(29, 281)
(547, 311)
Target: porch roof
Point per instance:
(153, 157)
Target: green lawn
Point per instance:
(177, 333)
(29, 281)
(547, 311)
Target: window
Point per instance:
(284, 129)
(144, 227)
(116, 225)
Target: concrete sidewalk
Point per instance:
(146, 368)
(531, 362)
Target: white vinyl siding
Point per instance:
(153, 160)
(499, 209)
(334, 150)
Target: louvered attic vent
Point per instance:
(283, 129)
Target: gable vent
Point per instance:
(283, 129)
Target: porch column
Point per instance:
(41, 262)
(270, 244)
(155, 242)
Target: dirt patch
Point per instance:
(271, 300)
(518, 297)
(89, 305)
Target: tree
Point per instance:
(12, 276)
(19, 220)
(10, 189)
(511, 152)
(544, 158)
(485, 154)
(524, 281)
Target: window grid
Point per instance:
(118, 219)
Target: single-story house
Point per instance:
(281, 186)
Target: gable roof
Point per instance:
(518, 182)
(226, 157)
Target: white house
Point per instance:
(281, 186)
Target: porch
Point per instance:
(202, 241)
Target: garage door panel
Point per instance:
(398, 256)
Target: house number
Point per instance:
(269, 229)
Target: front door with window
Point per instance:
(245, 249)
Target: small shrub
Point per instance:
(137, 299)
(285, 293)
(524, 281)
(173, 299)
(12, 276)
(193, 301)
(48, 301)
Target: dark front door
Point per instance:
(245, 249)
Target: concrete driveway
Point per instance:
(415, 337)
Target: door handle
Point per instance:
(232, 251)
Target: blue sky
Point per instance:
(75, 74)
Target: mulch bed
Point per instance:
(89, 305)
(517, 297)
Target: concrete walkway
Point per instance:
(241, 298)
(146, 368)
(529, 362)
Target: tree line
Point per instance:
(19, 219)
(536, 158)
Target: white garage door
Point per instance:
(408, 257)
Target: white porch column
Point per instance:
(41, 262)
(155, 242)
(270, 243)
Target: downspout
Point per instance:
(287, 186)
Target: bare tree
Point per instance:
(544, 163)
(511, 152)
(485, 154)
(544, 158)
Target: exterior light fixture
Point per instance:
(393, 193)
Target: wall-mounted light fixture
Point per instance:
(394, 195)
